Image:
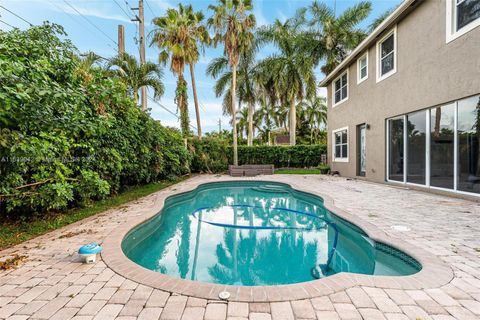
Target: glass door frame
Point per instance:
(427, 152)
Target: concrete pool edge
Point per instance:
(434, 272)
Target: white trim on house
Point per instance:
(359, 67)
(343, 159)
(334, 103)
(381, 77)
(451, 21)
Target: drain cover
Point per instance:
(400, 228)
(224, 295)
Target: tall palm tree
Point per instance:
(337, 36)
(314, 112)
(178, 34)
(219, 69)
(136, 75)
(242, 121)
(291, 69)
(233, 25)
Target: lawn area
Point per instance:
(12, 234)
(298, 171)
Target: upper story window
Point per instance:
(387, 55)
(340, 88)
(340, 145)
(362, 68)
(462, 16)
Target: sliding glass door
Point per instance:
(442, 128)
(416, 141)
(468, 134)
(438, 147)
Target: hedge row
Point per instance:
(299, 156)
(214, 154)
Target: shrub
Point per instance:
(210, 154)
(68, 135)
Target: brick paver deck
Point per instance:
(53, 284)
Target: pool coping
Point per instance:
(434, 273)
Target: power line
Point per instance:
(150, 8)
(16, 15)
(88, 20)
(121, 8)
(8, 24)
(168, 110)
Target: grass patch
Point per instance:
(15, 233)
(298, 171)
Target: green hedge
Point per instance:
(209, 154)
(69, 135)
(299, 156)
(212, 154)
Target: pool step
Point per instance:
(270, 188)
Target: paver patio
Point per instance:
(53, 284)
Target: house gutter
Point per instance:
(368, 40)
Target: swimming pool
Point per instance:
(256, 233)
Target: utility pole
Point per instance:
(219, 125)
(121, 40)
(141, 20)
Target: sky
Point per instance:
(92, 26)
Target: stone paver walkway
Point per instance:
(53, 284)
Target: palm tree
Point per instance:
(291, 69)
(242, 121)
(314, 112)
(337, 36)
(233, 27)
(136, 75)
(178, 34)
(219, 69)
(89, 60)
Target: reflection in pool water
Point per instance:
(256, 233)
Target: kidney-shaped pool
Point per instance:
(256, 233)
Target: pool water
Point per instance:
(256, 233)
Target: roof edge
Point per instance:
(369, 39)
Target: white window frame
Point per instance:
(334, 90)
(359, 79)
(345, 159)
(381, 77)
(451, 23)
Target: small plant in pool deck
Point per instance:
(324, 168)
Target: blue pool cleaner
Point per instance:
(89, 252)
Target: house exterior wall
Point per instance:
(430, 72)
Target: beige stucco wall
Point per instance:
(430, 72)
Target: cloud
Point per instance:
(161, 4)
(259, 16)
(102, 14)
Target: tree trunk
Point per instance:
(293, 122)
(195, 99)
(250, 124)
(182, 105)
(234, 115)
(135, 97)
